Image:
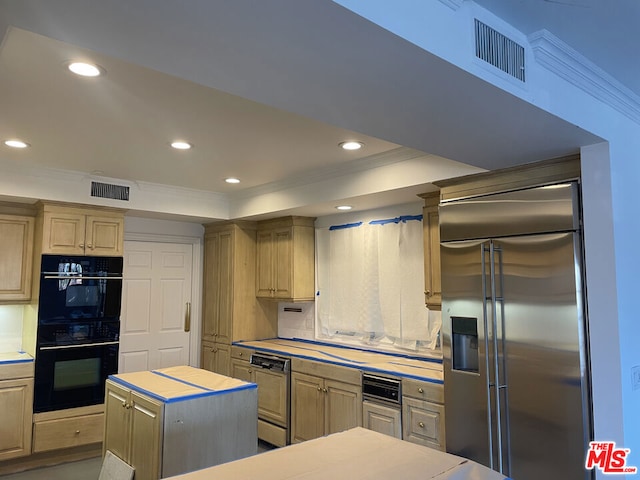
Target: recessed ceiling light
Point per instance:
(232, 180)
(85, 69)
(179, 145)
(352, 145)
(344, 207)
(14, 143)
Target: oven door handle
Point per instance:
(65, 347)
(80, 277)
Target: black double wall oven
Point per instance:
(78, 330)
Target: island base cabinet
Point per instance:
(165, 438)
(133, 430)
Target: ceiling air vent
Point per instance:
(499, 51)
(107, 190)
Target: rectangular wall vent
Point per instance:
(499, 51)
(107, 190)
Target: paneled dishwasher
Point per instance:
(382, 404)
(272, 375)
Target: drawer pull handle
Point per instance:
(420, 390)
(77, 432)
(421, 424)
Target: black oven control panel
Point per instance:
(78, 333)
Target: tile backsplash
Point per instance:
(296, 320)
(11, 320)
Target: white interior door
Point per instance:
(156, 292)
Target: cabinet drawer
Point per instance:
(423, 423)
(326, 370)
(241, 353)
(423, 390)
(67, 432)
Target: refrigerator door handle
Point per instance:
(484, 250)
(497, 300)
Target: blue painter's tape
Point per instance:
(346, 225)
(191, 396)
(384, 222)
(11, 362)
(407, 218)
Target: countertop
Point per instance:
(356, 454)
(175, 384)
(426, 369)
(15, 357)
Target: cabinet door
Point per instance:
(423, 423)
(216, 357)
(431, 236)
(225, 287)
(264, 264)
(146, 437)
(343, 406)
(104, 236)
(16, 397)
(63, 233)
(117, 408)
(272, 396)
(16, 252)
(282, 263)
(222, 359)
(242, 370)
(211, 287)
(382, 419)
(307, 407)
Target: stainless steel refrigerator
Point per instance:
(514, 335)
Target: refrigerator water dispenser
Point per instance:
(464, 344)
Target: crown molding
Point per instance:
(452, 4)
(396, 155)
(559, 58)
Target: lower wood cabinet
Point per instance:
(321, 406)
(216, 357)
(16, 403)
(382, 419)
(179, 419)
(423, 413)
(133, 430)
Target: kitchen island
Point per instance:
(354, 454)
(174, 420)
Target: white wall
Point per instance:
(610, 181)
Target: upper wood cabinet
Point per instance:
(16, 256)
(431, 237)
(285, 268)
(72, 230)
(230, 308)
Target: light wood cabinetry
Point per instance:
(133, 430)
(16, 256)
(285, 259)
(16, 404)
(79, 230)
(273, 397)
(431, 238)
(67, 428)
(381, 418)
(325, 399)
(230, 308)
(179, 419)
(423, 413)
(216, 357)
